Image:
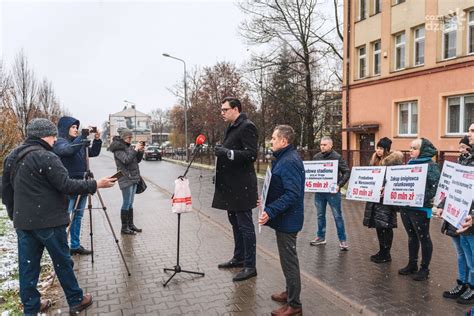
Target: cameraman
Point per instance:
(34, 188)
(71, 148)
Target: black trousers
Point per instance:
(286, 243)
(417, 226)
(385, 237)
(245, 242)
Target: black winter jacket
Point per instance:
(343, 170)
(37, 198)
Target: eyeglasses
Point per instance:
(414, 148)
(224, 110)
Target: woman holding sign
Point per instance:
(416, 220)
(383, 217)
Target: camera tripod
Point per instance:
(89, 176)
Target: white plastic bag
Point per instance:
(181, 202)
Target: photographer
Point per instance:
(71, 148)
(126, 160)
(34, 188)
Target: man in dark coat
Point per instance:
(35, 186)
(333, 199)
(284, 212)
(236, 185)
(71, 148)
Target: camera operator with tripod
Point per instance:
(71, 148)
(127, 159)
(35, 185)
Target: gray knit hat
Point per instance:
(41, 127)
(124, 133)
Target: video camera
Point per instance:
(86, 131)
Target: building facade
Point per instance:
(408, 72)
(136, 121)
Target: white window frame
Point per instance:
(362, 57)
(470, 32)
(462, 104)
(410, 132)
(379, 53)
(453, 28)
(417, 40)
(379, 2)
(364, 15)
(397, 45)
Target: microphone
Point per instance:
(200, 140)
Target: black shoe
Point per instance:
(456, 291)
(244, 274)
(125, 229)
(86, 302)
(422, 274)
(467, 298)
(131, 225)
(382, 259)
(409, 269)
(232, 263)
(80, 251)
(375, 257)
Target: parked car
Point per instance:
(152, 152)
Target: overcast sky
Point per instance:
(99, 53)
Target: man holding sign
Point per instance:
(284, 213)
(333, 199)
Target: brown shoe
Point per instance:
(280, 311)
(45, 305)
(86, 302)
(280, 297)
(292, 311)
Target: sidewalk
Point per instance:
(204, 244)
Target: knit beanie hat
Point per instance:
(385, 143)
(465, 141)
(41, 127)
(124, 133)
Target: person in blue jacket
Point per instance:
(283, 211)
(71, 148)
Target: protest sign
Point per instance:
(266, 186)
(366, 184)
(444, 181)
(321, 176)
(405, 185)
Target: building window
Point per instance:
(398, 2)
(362, 62)
(449, 37)
(377, 6)
(470, 33)
(362, 9)
(419, 38)
(377, 60)
(408, 118)
(400, 51)
(460, 114)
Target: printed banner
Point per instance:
(321, 176)
(405, 185)
(444, 181)
(266, 186)
(460, 195)
(366, 184)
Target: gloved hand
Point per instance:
(220, 151)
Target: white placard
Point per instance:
(266, 186)
(444, 181)
(365, 183)
(405, 185)
(321, 176)
(460, 195)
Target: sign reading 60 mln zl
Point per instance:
(405, 185)
(321, 176)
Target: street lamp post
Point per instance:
(185, 104)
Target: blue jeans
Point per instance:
(128, 195)
(77, 220)
(244, 237)
(467, 244)
(321, 200)
(462, 264)
(31, 244)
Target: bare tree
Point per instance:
(47, 101)
(159, 121)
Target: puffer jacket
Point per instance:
(377, 215)
(126, 160)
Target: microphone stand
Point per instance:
(177, 268)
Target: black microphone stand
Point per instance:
(177, 268)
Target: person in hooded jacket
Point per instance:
(463, 291)
(71, 148)
(377, 215)
(127, 159)
(416, 220)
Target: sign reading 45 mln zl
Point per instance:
(321, 176)
(405, 185)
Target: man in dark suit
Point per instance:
(236, 185)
